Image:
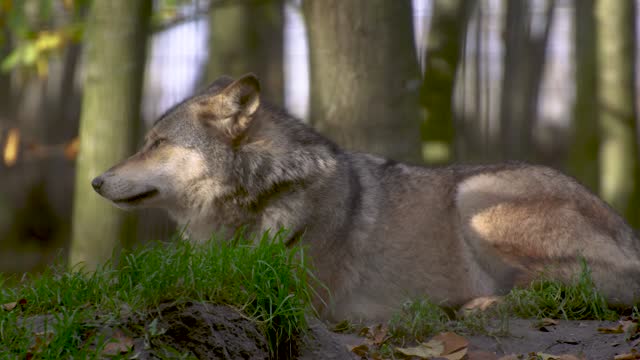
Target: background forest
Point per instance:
(425, 81)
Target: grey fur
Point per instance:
(378, 232)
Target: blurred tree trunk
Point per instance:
(6, 96)
(585, 141)
(365, 78)
(524, 59)
(443, 54)
(619, 179)
(248, 36)
(115, 56)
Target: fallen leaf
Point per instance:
(458, 355)
(10, 306)
(510, 357)
(342, 327)
(549, 322)
(570, 342)
(481, 355)
(432, 348)
(479, 304)
(543, 356)
(379, 334)
(119, 344)
(452, 342)
(361, 350)
(629, 356)
(42, 340)
(611, 330)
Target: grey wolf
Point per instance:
(378, 231)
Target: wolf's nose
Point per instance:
(97, 183)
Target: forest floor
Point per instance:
(235, 301)
(205, 331)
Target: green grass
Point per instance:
(577, 300)
(418, 320)
(267, 281)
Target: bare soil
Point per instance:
(207, 331)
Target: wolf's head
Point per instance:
(223, 143)
(187, 151)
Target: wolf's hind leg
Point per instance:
(515, 239)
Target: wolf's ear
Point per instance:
(230, 108)
(243, 95)
(218, 84)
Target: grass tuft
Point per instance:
(262, 277)
(418, 320)
(578, 300)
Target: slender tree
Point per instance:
(114, 66)
(443, 54)
(248, 36)
(585, 135)
(365, 78)
(620, 175)
(524, 61)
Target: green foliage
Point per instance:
(34, 37)
(577, 300)
(266, 280)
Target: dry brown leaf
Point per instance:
(611, 330)
(458, 355)
(379, 334)
(119, 344)
(482, 355)
(479, 304)
(569, 357)
(543, 356)
(10, 306)
(629, 356)
(452, 342)
(432, 348)
(42, 340)
(361, 350)
(510, 357)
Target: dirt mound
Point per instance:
(206, 331)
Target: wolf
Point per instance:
(378, 231)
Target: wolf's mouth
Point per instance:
(138, 197)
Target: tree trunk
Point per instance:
(524, 62)
(585, 140)
(115, 57)
(443, 54)
(365, 78)
(615, 35)
(248, 36)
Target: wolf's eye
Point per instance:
(155, 144)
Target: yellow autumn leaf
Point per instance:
(10, 153)
(48, 40)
